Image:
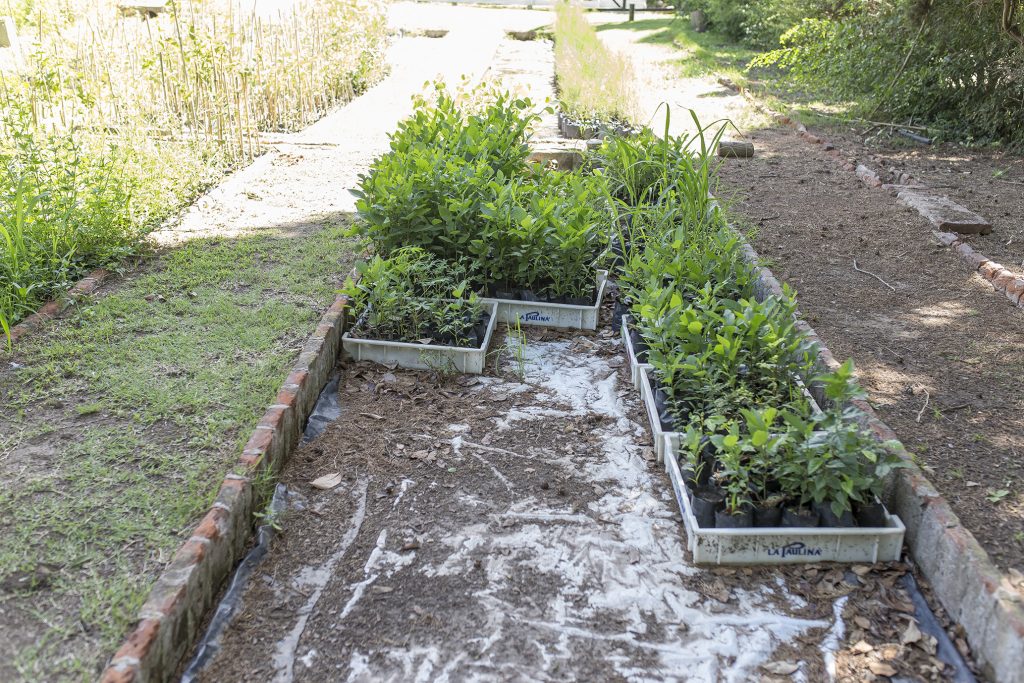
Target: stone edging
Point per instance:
(172, 616)
(966, 583)
(51, 309)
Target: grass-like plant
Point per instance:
(594, 82)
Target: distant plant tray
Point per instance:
(784, 545)
(512, 311)
(424, 356)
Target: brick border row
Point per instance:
(172, 616)
(53, 308)
(1002, 279)
(964, 579)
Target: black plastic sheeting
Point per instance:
(945, 651)
(228, 606)
(327, 410)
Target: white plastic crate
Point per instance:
(783, 545)
(647, 396)
(634, 366)
(424, 356)
(511, 311)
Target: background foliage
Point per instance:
(957, 66)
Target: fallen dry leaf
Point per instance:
(881, 669)
(863, 622)
(912, 634)
(327, 481)
(862, 646)
(374, 416)
(781, 668)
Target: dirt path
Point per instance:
(943, 336)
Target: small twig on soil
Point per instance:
(925, 406)
(1012, 182)
(952, 408)
(861, 270)
(768, 218)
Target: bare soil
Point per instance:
(990, 183)
(940, 356)
(505, 529)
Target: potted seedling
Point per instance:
(735, 481)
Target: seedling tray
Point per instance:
(783, 545)
(647, 396)
(671, 440)
(512, 311)
(424, 356)
(635, 367)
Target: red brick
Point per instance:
(259, 442)
(272, 419)
(1015, 290)
(1003, 280)
(121, 673)
(213, 525)
(287, 396)
(190, 553)
(298, 376)
(989, 270)
(164, 598)
(140, 641)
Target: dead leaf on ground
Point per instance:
(781, 668)
(912, 634)
(863, 622)
(327, 481)
(862, 646)
(373, 416)
(882, 669)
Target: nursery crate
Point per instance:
(512, 311)
(424, 356)
(635, 366)
(647, 396)
(670, 442)
(783, 545)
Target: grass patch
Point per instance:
(704, 54)
(123, 418)
(594, 83)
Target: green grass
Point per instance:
(703, 54)
(593, 81)
(143, 400)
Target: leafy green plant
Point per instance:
(415, 298)
(456, 183)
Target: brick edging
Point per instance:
(172, 616)
(963, 577)
(1001, 279)
(51, 309)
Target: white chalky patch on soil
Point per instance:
(621, 563)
